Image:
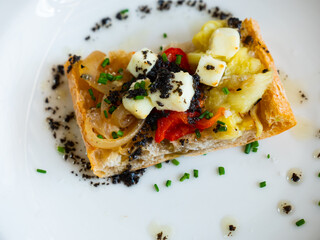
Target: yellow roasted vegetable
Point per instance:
(201, 39)
(242, 63)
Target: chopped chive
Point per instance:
(143, 84)
(300, 222)
(221, 171)
(120, 70)
(198, 134)
(184, 177)
(319, 203)
(161, 48)
(168, 183)
(255, 149)
(91, 94)
(110, 77)
(159, 165)
(319, 174)
(255, 144)
(164, 57)
(138, 97)
(105, 62)
(112, 108)
(204, 114)
(165, 35)
(118, 77)
(178, 59)
(107, 100)
(120, 133)
(263, 184)
(105, 113)
(175, 162)
(222, 129)
(221, 123)
(114, 135)
(124, 11)
(268, 156)
(156, 187)
(61, 149)
(100, 136)
(195, 173)
(98, 105)
(225, 90)
(248, 148)
(209, 115)
(41, 171)
(102, 81)
(136, 85)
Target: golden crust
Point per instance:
(274, 111)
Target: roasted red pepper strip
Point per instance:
(176, 125)
(172, 55)
(206, 123)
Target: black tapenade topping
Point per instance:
(163, 5)
(248, 40)
(114, 97)
(128, 178)
(210, 67)
(162, 82)
(234, 23)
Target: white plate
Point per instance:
(39, 33)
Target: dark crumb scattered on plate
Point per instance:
(161, 236)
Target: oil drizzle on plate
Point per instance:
(295, 176)
(285, 207)
(229, 226)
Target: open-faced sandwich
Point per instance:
(137, 109)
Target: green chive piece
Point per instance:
(110, 77)
(196, 173)
(114, 135)
(161, 48)
(159, 165)
(225, 90)
(61, 149)
(248, 148)
(136, 85)
(184, 177)
(107, 100)
(156, 187)
(255, 144)
(41, 171)
(120, 133)
(198, 134)
(118, 77)
(143, 84)
(124, 11)
(300, 222)
(120, 70)
(255, 149)
(222, 129)
(319, 174)
(100, 136)
(268, 156)
(221, 123)
(98, 105)
(102, 81)
(178, 59)
(165, 35)
(112, 108)
(138, 97)
(105, 113)
(105, 62)
(319, 203)
(91, 94)
(263, 184)
(164, 57)
(204, 114)
(175, 162)
(168, 183)
(221, 171)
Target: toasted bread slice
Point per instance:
(273, 111)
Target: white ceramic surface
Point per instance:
(36, 34)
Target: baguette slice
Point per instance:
(273, 111)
